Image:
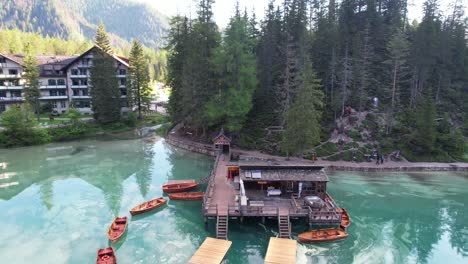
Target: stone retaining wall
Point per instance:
(191, 146)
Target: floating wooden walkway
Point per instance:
(281, 251)
(212, 251)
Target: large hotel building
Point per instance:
(64, 80)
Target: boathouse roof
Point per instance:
(221, 139)
(282, 173)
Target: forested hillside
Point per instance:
(75, 19)
(358, 70)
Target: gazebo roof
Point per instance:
(221, 139)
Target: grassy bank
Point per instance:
(76, 129)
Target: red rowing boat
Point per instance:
(106, 256)
(345, 220)
(186, 196)
(179, 187)
(323, 235)
(148, 206)
(117, 228)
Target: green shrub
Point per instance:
(354, 135)
(131, 119)
(326, 149)
(71, 132)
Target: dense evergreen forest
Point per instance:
(78, 19)
(337, 78)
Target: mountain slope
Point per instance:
(75, 19)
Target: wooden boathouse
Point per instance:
(250, 187)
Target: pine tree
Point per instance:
(139, 90)
(178, 46)
(102, 40)
(31, 76)
(398, 51)
(105, 91)
(304, 116)
(425, 134)
(237, 73)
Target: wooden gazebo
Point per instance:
(222, 143)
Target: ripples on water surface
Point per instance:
(57, 201)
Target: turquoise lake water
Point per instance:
(57, 201)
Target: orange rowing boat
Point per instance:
(186, 196)
(117, 228)
(345, 220)
(148, 206)
(323, 235)
(179, 187)
(106, 256)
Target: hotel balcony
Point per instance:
(11, 87)
(10, 76)
(54, 97)
(11, 99)
(79, 76)
(81, 97)
(53, 87)
(121, 75)
(81, 86)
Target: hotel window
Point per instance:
(12, 71)
(84, 82)
(2, 108)
(60, 82)
(62, 93)
(76, 92)
(74, 72)
(53, 92)
(2, 93)
(122, 72)
(123, 103)
(54, 104)
(123, 81)
(63, 104)
(2, 82)
(83, 71)
(1, 71)
(75, 82)
(52, 82)
(15, 93)
(123, 91)
(85, 92)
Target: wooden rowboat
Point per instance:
(117, 228)
(179, 187)
(345, 220)
(187, 196)
(323, 235)
(148, 206)
(106, 256)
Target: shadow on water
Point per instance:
(119, 242)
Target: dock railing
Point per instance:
(209, 188)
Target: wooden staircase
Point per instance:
(284, 226)
(222, 227)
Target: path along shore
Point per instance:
(387, 166)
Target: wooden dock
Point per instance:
(211, 251)
(281, 251)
